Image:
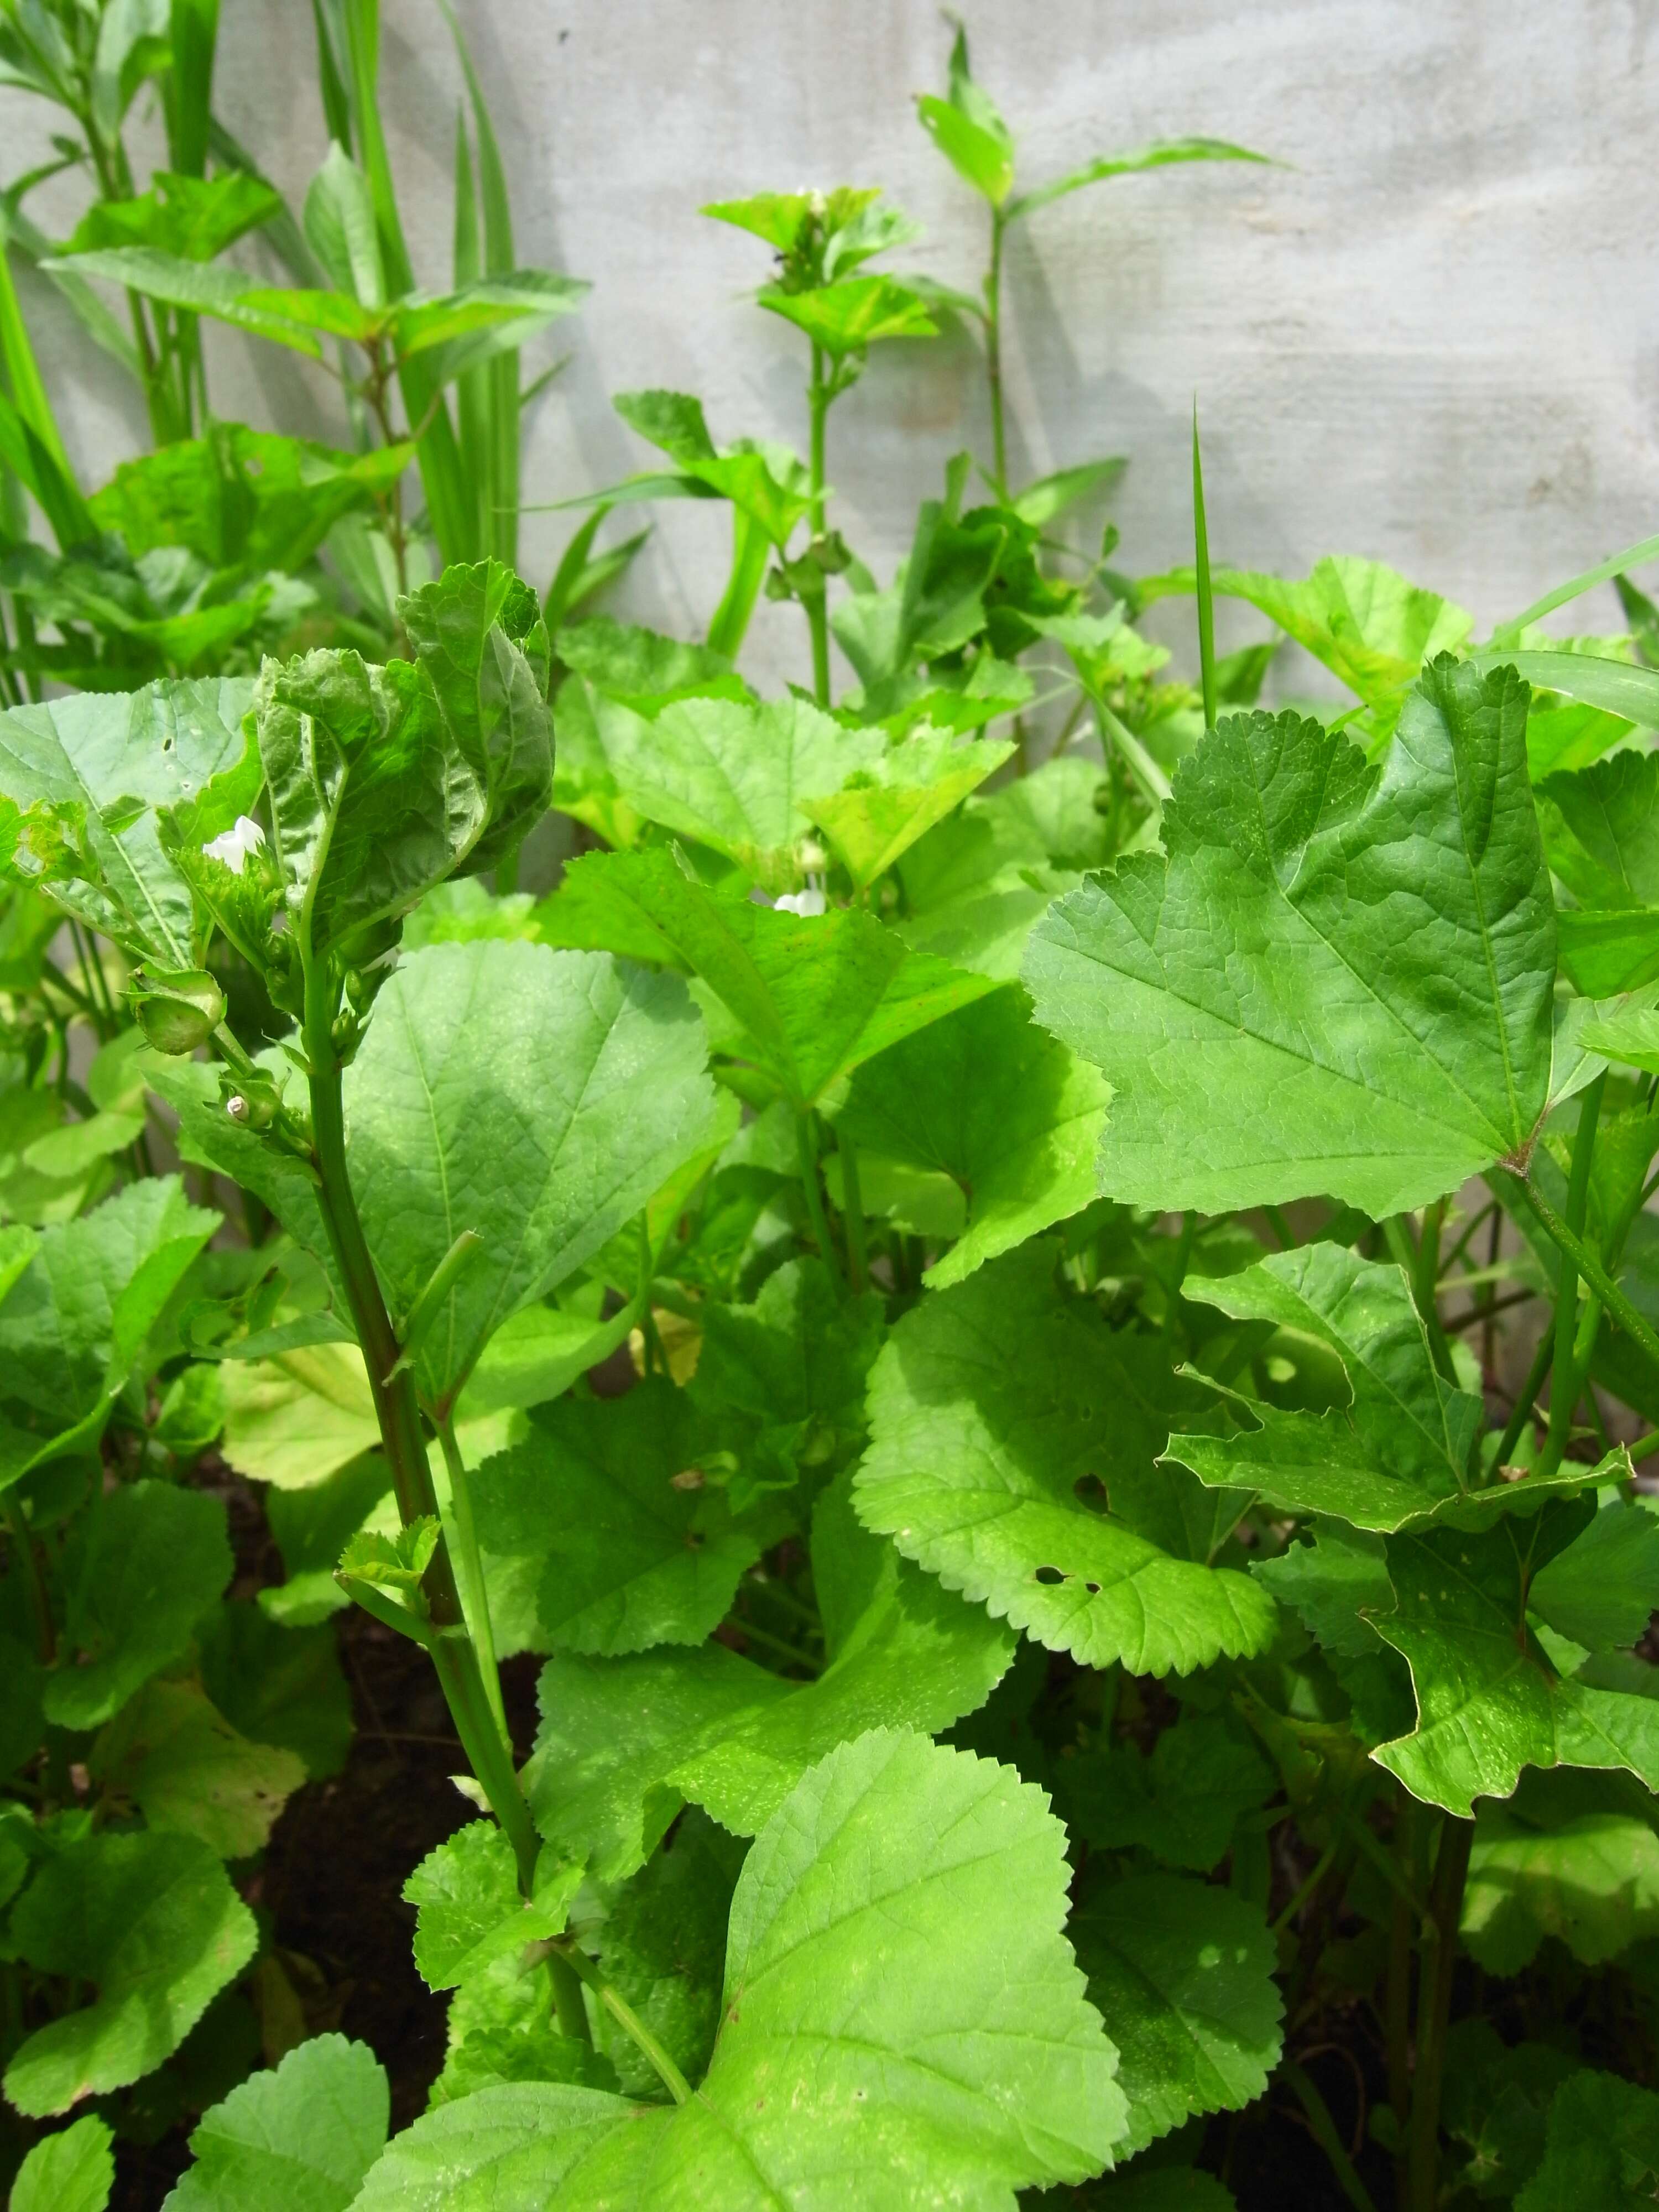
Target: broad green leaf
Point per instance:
(537, 1355)
(72, 2171)
(1607, 953)
(763, 482)
(901, 2019)
(1489, 1701)
(848, 316)
(1157, 156)
(1182, 1975)
(1399, 1455)
(536, 1098)
(468, 1909)
(981, 157)
(780, 1384)
(812, 996)
(880, 810)
(1630, 1034)
(286, 319)
(990, 1409)
(190, 1773)
(1601, 831)
(624, 1743)
(1563, 735)
(1603, 1590)
(383, 781)
(1602, 2148)
(77, 1319)
(340, 229)
(987, 930)
(138, 1573)
(638, 665)
(279, 1685)
(299, 2138)
(999, 1106)
(1496, 2101)
(151, 1921)
(739, 778)
(111, 761)
(1571, 1856)
(195, 218)
(781, 218)
(605, 1495)
(1334, 1584)
(1370, 627)
(1180, 1803)
(296, 1420)
(1291, 958)
(1612, 687)
(1047, 498)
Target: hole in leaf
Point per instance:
(1050, 1575)
(1091, 1493)
(1093, 1588)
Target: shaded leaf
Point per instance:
(299, 2138)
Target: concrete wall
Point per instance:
(1435, 339)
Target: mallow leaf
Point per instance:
(624, 1743)
(78, 1316)
(1601, 2147)
(849, 317)
(537, 1098)
(1397, 1456)
(382, 781)
(998, 1105)
(605, 1495)
(106, 763)
(1180, 1803)
(1340, 980)
(300, 2137)
(739, 776)
(1001, 1411)
(1182, 1975)
(1601, 831)
(138, 1573)
(1370, 627)
(810, 995)
(468, 1909)
(1572, 1856)
(191, 1773)
(901, 2021)
(71, 2171)
(1489, 1701)
(880, 809)
(1604, 1588)
(151, 1921)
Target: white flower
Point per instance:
(809, 902)
(233, 846)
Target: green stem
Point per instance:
(1564, 1392)
(399, 1417)
(852, 1215)
(1593, 1273)
(35, 1574)
(1324, 2135)
(1451, 1867)
(993, 356)
(816, 600)
(807, 1150)
(1402, 1922)
(475, 1596)
(1526, 1399)
(628, 2020)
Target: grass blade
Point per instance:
(1205, 596)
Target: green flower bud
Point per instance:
(176, 1011)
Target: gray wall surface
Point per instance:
(1435, 339)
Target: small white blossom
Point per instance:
(235, 844)
(811, 900)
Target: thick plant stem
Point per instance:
(1451, 1867)
(399, 1417)
(1593, 1273)
(1401, 1928)
(993, 356)
(816, 600)
(475, 1598)
(1564, 1391)
(1526, 1399)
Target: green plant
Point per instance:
(1120, 1569)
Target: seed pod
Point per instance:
(176, 1011)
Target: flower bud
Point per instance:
(176, 1011)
